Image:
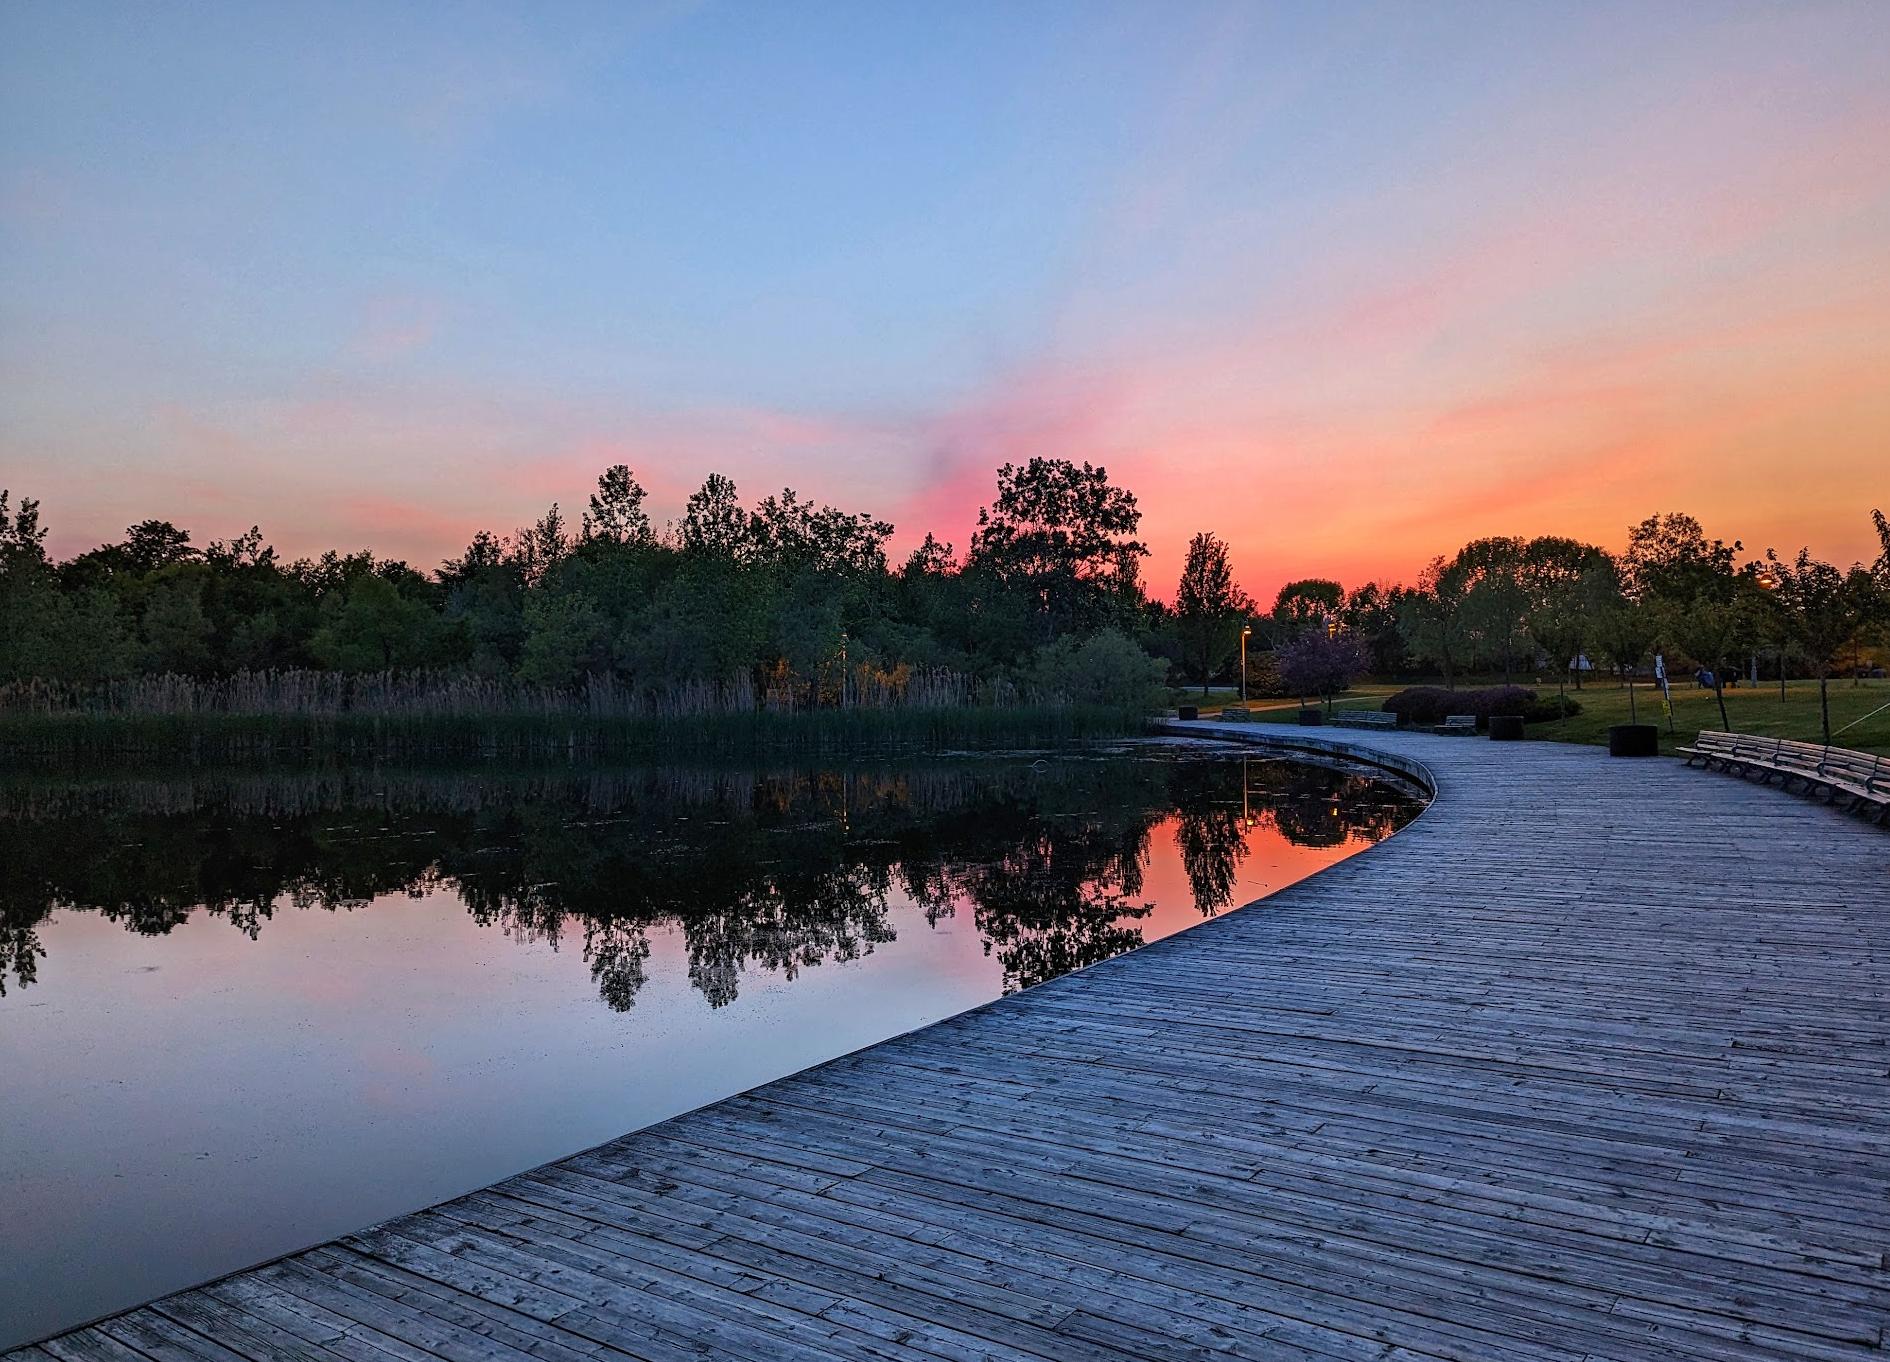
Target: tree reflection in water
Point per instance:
(774, 871)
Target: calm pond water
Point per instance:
(243, 1013)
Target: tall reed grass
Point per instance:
(387, 713)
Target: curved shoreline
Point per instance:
(1588, 1060)
(1296, 742)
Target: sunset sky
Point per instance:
(1346, 284)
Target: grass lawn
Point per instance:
(1753, 709)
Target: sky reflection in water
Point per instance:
(243, 1013)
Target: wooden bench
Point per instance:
(1457, 726)
(1859, 779)
(1363, 718)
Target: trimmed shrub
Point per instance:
(1550, 708)
(1423, 705)
(1512, 700)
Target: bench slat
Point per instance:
(1862, 777)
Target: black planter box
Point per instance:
(1188, 712)
(1506, 728)
(1633, 740)
(1311, 718)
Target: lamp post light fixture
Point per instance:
(1245, 631)
(1768, 581)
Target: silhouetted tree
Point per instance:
(1670, 560)
(1624, 631)
(616, 511)
(1436, 616)
(1823, 608)
(1062, 537)
(1496, 598)
(1209, 608)
(714, 525)
(1310, 603)
(1374, 615)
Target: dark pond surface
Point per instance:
(246, 1012)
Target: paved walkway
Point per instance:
(1588, 1062)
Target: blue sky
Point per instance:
(381, 275)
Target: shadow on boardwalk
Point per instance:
(1588, 1062)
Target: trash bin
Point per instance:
(1311, 718)
(1506, 728)
(1188, 712)
(1633, 740)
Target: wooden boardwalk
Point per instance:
(1588, 1062)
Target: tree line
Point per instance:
(1502, 605)
(795, 600)
(796, 604)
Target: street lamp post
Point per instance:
(1245, 630)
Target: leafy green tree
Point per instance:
(1210, 609)
(1714, 630)
(616, 512)
(1308, 604)
(566, 638)
(22, 537)
(791, 535)
(153, 544)
(177, 633)
(1436, 616)
(933, 558)
(260, 615)
(1625, 631)
(930, 619)
(1497, 596)
(1823, 608)
(1568, 584)
(1374, 615)
(1107, 668)
(1062, 537)
(1670, 560)
(47, 632)
(807, 633)
(372, 626)
(704, 624)
(485, 603)
(28, 597)
(714, 525)
(538, 548)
